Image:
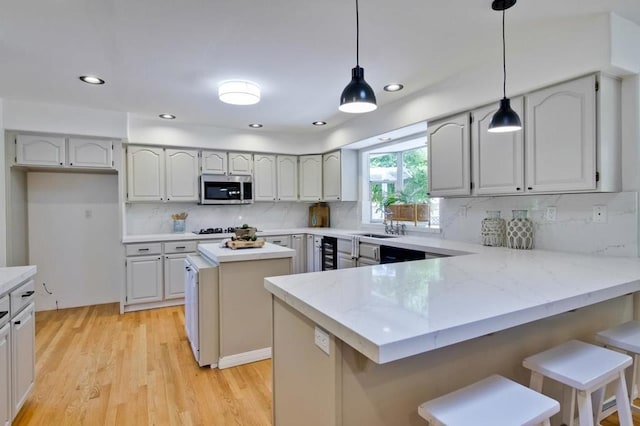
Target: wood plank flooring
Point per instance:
(97, 367)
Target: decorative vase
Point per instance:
(520, 231)
(179, 225)
(493, 229)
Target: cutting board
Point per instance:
(319, 215)
(241, 244)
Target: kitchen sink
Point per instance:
(377, 235)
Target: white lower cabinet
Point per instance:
(346, 261)
(5, 375)
(299, 244)
(22, 356)
(174, 275)
(144, 279)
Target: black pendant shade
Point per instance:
(357, 96)
(505, 119)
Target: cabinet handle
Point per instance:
(4, 314)
(518, 189)
(181, 247)
(71, 164)
(145, 249)
(530, 188)
(28, 293)
(61, 164)
(17, 322)
(187, 268)
(168, 198)
(276, 241)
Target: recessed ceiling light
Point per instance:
(393, 87)
(255, 125)
(319, 123)
(238, 92)
(167, 116)
(91, 79)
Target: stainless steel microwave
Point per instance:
(218, 189)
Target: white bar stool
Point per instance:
(625, 337)
(587, 369)
(494, 401)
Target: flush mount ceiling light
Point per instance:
(358, 96)
(319, 123)
(393, 87)
(91, 79)
(239, 92)
(255, 125)
(505, 119)
(167, 116)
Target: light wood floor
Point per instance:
(97, 367)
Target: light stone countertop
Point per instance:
(219, 254)
(14, 275)
(389, 312)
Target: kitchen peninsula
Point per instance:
(401, 334)
(244, 315)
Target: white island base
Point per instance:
(346, 388)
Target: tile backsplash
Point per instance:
(155, 218)
(573, 230)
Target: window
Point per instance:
(397, 187)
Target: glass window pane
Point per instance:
(414, 176)
(383, 167)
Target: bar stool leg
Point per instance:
(546, 423)
(568, 406)
(634, 383)
(622, 401)
(597, 399)
(536, 381)
(585, 409)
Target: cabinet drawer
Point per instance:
(180, 247)
(344, 246)
(4, 310)
(370, 251)
(143, 249)
(22, 296)
(280, 240)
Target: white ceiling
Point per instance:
(162, 56)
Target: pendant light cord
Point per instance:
(504, 59)
(357, 36)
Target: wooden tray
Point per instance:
(239, 244)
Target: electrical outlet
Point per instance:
(322, 340)
(599, 214)
(550, 214)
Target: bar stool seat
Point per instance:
(627, 338)
(494, 401)
(586, 369)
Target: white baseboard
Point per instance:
(153, 305)
(244, 358)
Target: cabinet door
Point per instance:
(299, 243)
(449, 157)
(214, 162)
(364, 261)
(5, 375)
(174, 276)
(561, 137)
(345, 261)
(498, 158)
(310, 177)
(240, 163)
(287, 172)
(264, 181)
(40, 150)
(144, 279)
(23, 339)
(182, 174)
(310, 254)
(331, 178)
(90, 153)
(145, 173)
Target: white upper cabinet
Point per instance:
(182, 174)
(145, 173)
(498, 158)
(449, 157)
(90, 153)
(340, 176)
(310, 177)
(287, 177)
(561, 137)
(240, 163)
(214, 162)
(264, 181)
(331, 176)
(40, 150)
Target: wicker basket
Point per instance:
(245, 232)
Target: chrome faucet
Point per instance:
(397, 229)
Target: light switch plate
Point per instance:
(550, 214)
(322, 340)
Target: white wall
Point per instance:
(3, 194)
(74, 238)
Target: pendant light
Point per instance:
(358, 96)
(505, 119)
